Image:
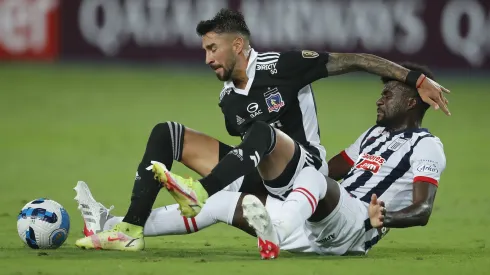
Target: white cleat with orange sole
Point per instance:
(94, 213)
(257, 217)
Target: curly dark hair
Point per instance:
(225, 21)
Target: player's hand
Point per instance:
(376, 212)
(431, 93)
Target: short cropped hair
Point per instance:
(225, 21)
(414, 93)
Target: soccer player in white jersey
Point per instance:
(395, 164)
(395, 160)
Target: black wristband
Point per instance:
(412, 78)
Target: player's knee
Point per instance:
(168, 129)
(161, 129)
(259, 127)
(313, 181)
(261, 132)
(169, 137)
(221, 206)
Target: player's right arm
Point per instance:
(340, 165)
(229, 128)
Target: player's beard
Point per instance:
(391, 119)
(228, 68)
(226, 76)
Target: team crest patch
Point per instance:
(397, 144)
(274, 102)
(309, 54)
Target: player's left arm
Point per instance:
(308, 66)
(427, 162)
(429, 90)
(417, 214)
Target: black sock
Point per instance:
(259, 141)
(165, 144)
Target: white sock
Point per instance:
(167, 220)
(309, 187)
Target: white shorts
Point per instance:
(346, 231)
(282, 186)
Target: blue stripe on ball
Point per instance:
(65, 220)
(31, 238)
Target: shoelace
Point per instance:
(107, 210)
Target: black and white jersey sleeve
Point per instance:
(301, 67)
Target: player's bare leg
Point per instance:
(167, 220)
(273, 153)
(201, 152)
(167, 142)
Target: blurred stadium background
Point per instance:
(82, 82)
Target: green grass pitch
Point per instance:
(60, 124)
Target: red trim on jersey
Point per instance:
(347, 158)
(426, 179)
(194, 224)
(307, 197)
(186, 223)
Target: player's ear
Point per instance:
(412, 103)
(238, 44)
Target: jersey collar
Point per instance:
(250, 74)
(408, 130)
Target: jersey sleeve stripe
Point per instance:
(267, 58)
(347, 158)
(268, 54)
(266, 62)
(426, 179)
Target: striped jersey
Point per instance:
(279, 93)
(388, 163)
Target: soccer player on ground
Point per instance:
(260, 89)
(395, 160)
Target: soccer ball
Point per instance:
(43, 224)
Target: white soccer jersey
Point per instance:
(388, 164)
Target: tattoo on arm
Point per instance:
(342, 63)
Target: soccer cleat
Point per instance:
(188, 193)
(257, 217)
(123, 237)
(94, 213)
